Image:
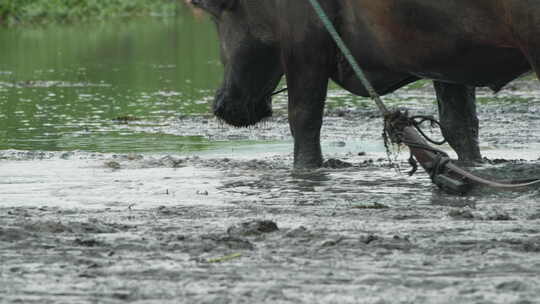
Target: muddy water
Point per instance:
(119, 187)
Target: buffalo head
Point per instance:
(251, 58)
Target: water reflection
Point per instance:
(62, 86)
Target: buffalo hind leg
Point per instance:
(457, 112)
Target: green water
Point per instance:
(63, 87)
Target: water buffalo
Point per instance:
(460, 44)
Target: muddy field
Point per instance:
(238, 225)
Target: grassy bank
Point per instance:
(43, 11)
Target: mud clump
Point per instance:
(172, 162)
(374, 205)
(113, 165)
(512, 286)
(369, 239)
(300, 232)
(461, 214)
(498, 216)
(336, 164)
(534, 216)
(467, 214)
(88, 242)
(531, 246)
(401, 243)
(252, 228)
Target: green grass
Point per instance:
(13, 12)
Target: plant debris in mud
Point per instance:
(225, 258)
(333, 163)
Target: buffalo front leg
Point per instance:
(307, 93)
(309, 58)
(457, 112)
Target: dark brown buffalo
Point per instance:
(460, 44)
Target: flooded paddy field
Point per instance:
(118, 186)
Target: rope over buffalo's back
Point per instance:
(348, 55)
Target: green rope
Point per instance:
(348, 55)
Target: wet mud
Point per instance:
(243, 227)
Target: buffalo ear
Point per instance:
(215, 7)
